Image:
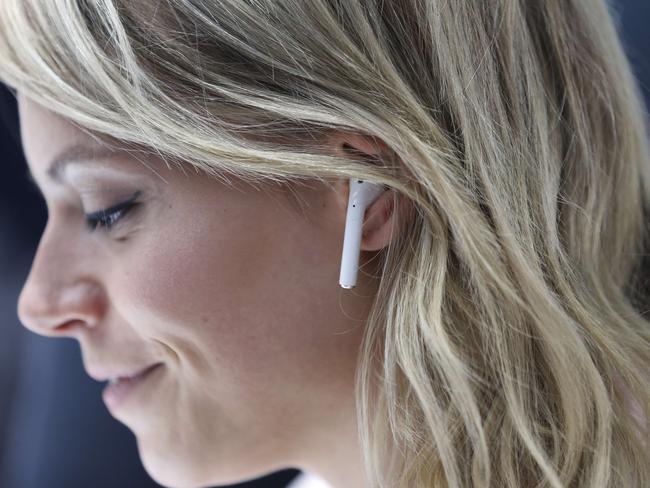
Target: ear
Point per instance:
(380, 220)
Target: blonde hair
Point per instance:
(508, 323)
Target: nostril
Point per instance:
(67, 328)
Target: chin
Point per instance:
(168, 469)
(174, 469)
(172, 466)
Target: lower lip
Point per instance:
(116, 394)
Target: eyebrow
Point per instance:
(75, 153)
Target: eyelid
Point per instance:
(97, 219)
(115, 208)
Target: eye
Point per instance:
(109, 217)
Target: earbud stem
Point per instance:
(362, 194)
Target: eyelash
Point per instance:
(108, 218)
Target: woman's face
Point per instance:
(233, 291)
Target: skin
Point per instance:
(235, 291)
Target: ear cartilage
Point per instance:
(362, 194)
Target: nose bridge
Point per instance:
(58, 283)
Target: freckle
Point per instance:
(205, 319)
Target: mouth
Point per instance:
(119, 389)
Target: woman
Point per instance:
(496, 335)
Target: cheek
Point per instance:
(223, 295)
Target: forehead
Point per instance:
(49, 141)
(44, 133)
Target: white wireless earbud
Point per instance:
(362, 194)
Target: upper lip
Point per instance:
(106, 373)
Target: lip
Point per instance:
(105, 374)
(116, 394)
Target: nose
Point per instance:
(60, 297)
(55, 310)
